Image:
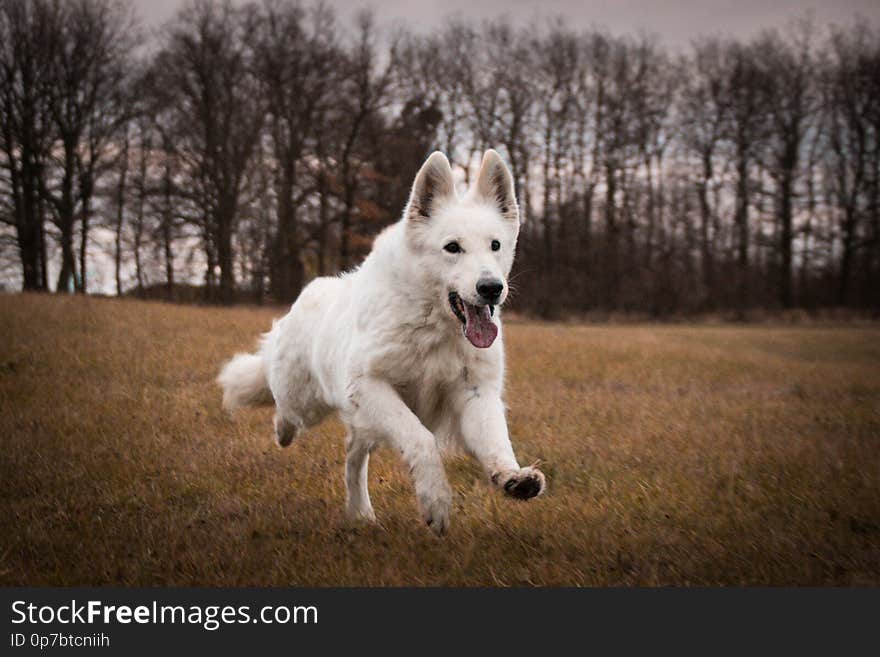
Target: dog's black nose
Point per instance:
(490, 289)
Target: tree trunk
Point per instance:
(707, 255)
(742, 223)
(138, 269)
(120, 212)
(651, 211)
(586, 248)
(225, 256)
(287, 269)
(345, 226)
(41, 245)
(84, 240)
(169, 261)
(28, 232)
(611, 239)
(67, 276)
(846, 257)
(117, 264)
(546, 218)
(785, 243)
(323, 218)
(210, 265)
(28, 249)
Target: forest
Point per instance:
(237, 151)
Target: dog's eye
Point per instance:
(452, 247)
(496, 245)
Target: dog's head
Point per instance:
(464, 246)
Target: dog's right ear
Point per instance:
(433, 187)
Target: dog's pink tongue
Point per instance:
(480, 330)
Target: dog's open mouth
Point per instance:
(477, 323)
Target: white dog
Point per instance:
(407, 348)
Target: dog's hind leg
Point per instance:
(357, 494)
(286, 430)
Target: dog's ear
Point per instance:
(495, 184)
(432, 187)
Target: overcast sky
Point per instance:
(675, 21)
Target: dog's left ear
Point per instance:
(432, 187)
(495, 184)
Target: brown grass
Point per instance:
(675, 455)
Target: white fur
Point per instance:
(382, 346)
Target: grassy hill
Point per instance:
(675, 455)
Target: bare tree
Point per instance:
(29, 37)
(365, 91)
(90, 65)
(747, 85)
(206, 75)
(703, 115)
(792, 102)
(852, 140)
(294, 50)
(119, 202)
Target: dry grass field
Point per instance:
(686, 455)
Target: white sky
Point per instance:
(676, 22)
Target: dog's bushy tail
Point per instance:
(244, 382)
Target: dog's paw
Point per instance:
(523, 484)
(436, 515)
(435, 503)
(360, 515)
(285, 431)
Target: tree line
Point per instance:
(247, 149)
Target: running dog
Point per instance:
(408, 347)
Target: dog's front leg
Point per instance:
(484, 432)
(375, 407)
